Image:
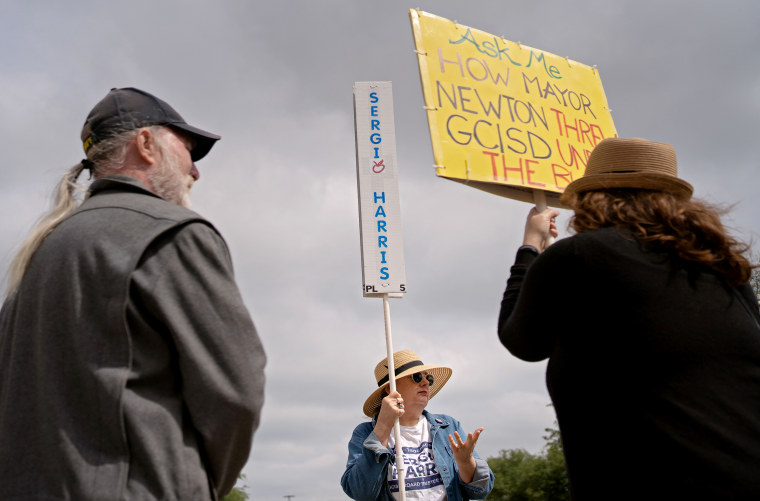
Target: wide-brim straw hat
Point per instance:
(405, 363)
(631, 163)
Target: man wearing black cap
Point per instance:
(129, 365)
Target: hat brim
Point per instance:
(203, 140)
(648, 181)
(441, 375)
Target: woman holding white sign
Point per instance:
(440, 458)
(651, 331)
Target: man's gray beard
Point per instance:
(167, 180)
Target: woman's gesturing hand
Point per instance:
(463, 453)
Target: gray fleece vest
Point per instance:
(64, 346)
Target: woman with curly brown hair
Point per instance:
(651, 331)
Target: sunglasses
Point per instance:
(417, 377)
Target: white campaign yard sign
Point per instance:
(382, 243)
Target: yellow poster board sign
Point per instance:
(506, 118)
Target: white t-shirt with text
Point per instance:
(422, 481)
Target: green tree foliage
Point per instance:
(237, 493)
(522, 476)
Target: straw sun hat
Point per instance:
(405, 363)
(632, 163)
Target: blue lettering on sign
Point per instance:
(382, 227)
(378, 166)
(375, 137)
(492, 48)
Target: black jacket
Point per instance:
(654, 367)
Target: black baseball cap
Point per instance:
(130, 108)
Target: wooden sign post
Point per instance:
(383, 272)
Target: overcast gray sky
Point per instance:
(275, 80)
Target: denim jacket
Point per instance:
(365, 478)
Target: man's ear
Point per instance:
(147, 149)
